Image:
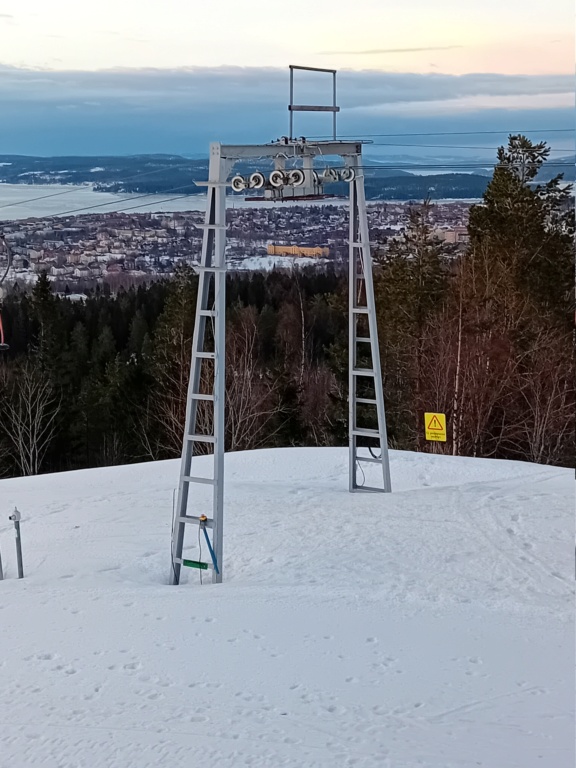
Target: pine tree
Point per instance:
(529, 227)
(104, 349)
(49, 340)
(138, 333)
(79, 346)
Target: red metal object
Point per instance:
(3, 345)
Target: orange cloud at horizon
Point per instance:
(538, 56)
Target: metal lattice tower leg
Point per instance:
(364, 371)
(212, 271)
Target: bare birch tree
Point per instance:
(30, 410)
(545, 421)
(252, 392)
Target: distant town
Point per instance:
(122, 249)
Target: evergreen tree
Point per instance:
(79, 346)
(48, 341)
(104, 349)
(138, 333)
(529, 227)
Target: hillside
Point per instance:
(149, 174)
(431, 627)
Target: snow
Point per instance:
(74, 296)
(269, 263)
(428, 628)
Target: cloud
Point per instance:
(378, 51)
(129, 111)
(257, 88)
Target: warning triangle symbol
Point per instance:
(434, 425)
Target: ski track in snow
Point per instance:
(429, 628)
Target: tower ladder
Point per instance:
(364, 370)
(206, 388)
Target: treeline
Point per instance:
(484, 336)
(104, 381)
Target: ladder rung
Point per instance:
(359, 432)
(206, 355)
(192, 519)
(362, 372)
(211, 226)
(202, 438)
(200, 396)
(369, 489)
(207, 313)
(360, 310)
(366, 400)
(363, 339)
(209, 269)
(193, 563)
(204, 480)
(369, 459)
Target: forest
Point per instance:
(484, 335)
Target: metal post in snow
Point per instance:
(16, 517)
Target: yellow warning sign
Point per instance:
(435, 424)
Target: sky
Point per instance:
(120, 76)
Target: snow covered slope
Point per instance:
(431, 627)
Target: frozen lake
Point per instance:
(22, 201)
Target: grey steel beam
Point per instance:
(292, 149)
(312, 69)
(312, 108)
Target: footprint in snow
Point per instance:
(133, 666)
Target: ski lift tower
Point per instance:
(294, 177)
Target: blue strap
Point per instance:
(212, 555)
